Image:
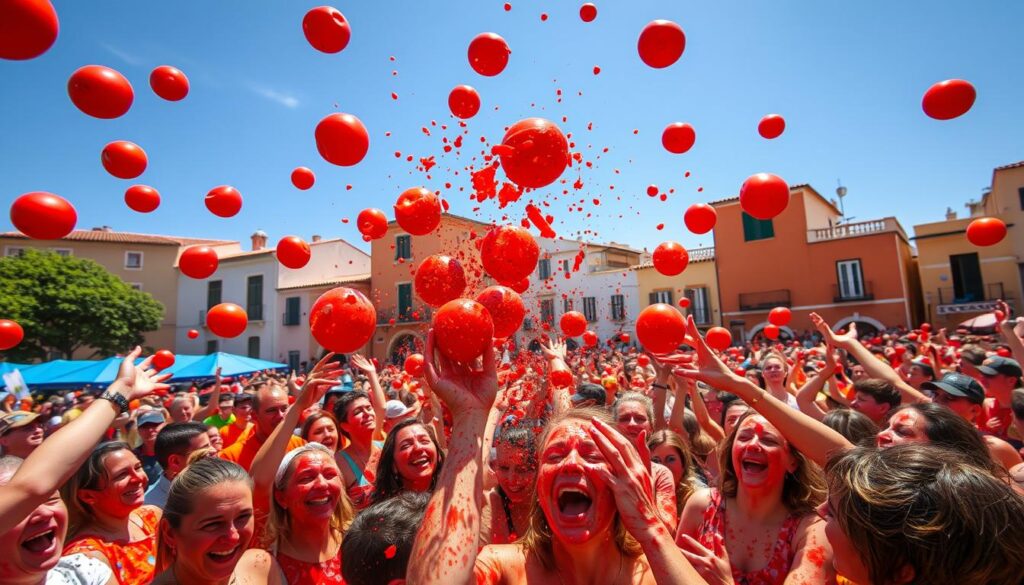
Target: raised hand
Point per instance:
(554, 349)
(707, 367)
(362, 363)
(629, 476)
(714, 568)
(463, 388)
(324, 375)
(134, 382)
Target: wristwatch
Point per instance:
(120, 401)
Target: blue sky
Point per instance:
(848, 77)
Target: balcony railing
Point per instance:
(765, 300)
(848, 296)
(992, 291)
(852, 230)
(415, 315)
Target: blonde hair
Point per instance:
(537, 539)
(186, 489)
(684, 487)
(279, 522)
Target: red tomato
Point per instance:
(163, 359)
(926, 327)
(718, 338)
(652, 190)
(700, 218)
(224, 201)
(142, 198)
(28, 28)
(326, 29)
(771, 331)
(169, 83)
(771, 126)
(488, 54)
(643, 361)
(303, 178)
(780, 316)
(521, 286)
(439, 279)
(414, 365)
(506, 309)
(764, 195)
(193, 333)
(670, 258)
(590, 338)
(573, 324)
(678, 137)
(660, 328)
(198, 262)
(342, 139)
(342, 320)
(684, 302)
(372, 223)
(123, 159)
(293, 252)
(948, 99)
(661, 43)
(588, 12)
(227, 320)
(986, 231)
(418, 211)
(43, 216)
(1003, 352)
(11, 334)
(509, 254)
(462, 330)
(534, 153)
(560, 378)
(100, 92)
(464, 102)
(624, 337)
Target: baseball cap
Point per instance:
(152, 417)
(395, 409)
(243, 397)
(957, 384)
(1000, 365)
(925, 367)
(16, 419)
(586, 392)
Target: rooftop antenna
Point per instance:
(841, 192)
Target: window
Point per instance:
(135, 285)
(544, 269)
(405, 300)
(566, 305)
(63, 252)
(213, 293)
(1020, 194)
(133, 260)
(254, 347)
(660, 296)
(547, 311)
(293, 361)
(527, 324)
(565, 266)
(618, 308)
(967, 283)
(291, 311)
(213, 346)
(403, 247)
(851, 279)
(14, 251)
(590, 309)
(254, 297)
(700, 308)
(757, 229)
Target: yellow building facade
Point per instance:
(699, 283)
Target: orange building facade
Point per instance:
(808, 260)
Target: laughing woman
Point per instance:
(410, 460)
(206, 529)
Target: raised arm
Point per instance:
(873, 367)
(445, 550)
(700, 410)
(561, 381)
(815, 440)
(59, 456)
(1006, 327)
(377, 397)
(213, 406)
(808, 393)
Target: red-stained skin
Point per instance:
(516, 472)
(906, 426)
(757, 441)
(632, 420)
(312, 491)
(324, 432)
(415, 457)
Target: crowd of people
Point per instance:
(888, 458)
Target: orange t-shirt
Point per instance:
(133, 563)
(244, 450)
(231, 433)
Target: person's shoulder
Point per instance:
(233, 451)
(258, 566)
(79, 569)
(295, 441)
(502, 557)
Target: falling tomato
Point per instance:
(293, 252)
(303, 178)
(227, 320)
(986, 231)
(193, 333)
(142, 198)
(780, 316)
(43, 216)
(198, 262)
(534, 153)
(123, 159)
(463, 330)
(588, 12)
(464, 102)
(414, 365)
(224, 201)
(28, 28)
(326, 29)
(509, 254)
(678, 137)
(488, 54)
(660, 328)
(342, 320)
(100, 92)
(718, 338)
(439, 279)
(670, 258)
(700, 218)
(771, 331)
(661, 43)
(764, 195)
(506, 309)
(342, 139)
(163, 359)
(418, 211)
(590, 338)
(11, 334)
(573, 324)
(169, 83)
(372, 223)
(948, 99)
(771, 126)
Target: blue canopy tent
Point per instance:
(196, 367)
(6, 367)
(41, 376)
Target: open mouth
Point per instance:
(752, 466)
(41, 543)
(223, 556)
(318, 502)
(574, 502)
(421, 462)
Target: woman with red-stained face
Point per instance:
(321, 428)
(926, 422)
(767, 496)
(410, 460)
(506, 515)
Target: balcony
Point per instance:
(853, 230)
(993, 292)
(765, 300)
(848, 296)
(414, 315)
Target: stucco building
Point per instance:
(698, 283)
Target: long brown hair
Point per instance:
(537, 539)
(802, 491)
(92, 475)
(684, 487)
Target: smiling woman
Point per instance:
(410, 460)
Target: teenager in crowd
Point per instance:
(411, 460)
(149, 424)
(360, 416)
(320, 427)
(242, 411)
(668, 448)
(506, 515)
(20, 433)
(175, 443)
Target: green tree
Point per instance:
(68, 303)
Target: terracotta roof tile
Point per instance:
(355, 278)
(125, 238)
(1011, 166)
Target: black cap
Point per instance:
(243, 397)
(588, 391)
(1000, 365)
(957, 384)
